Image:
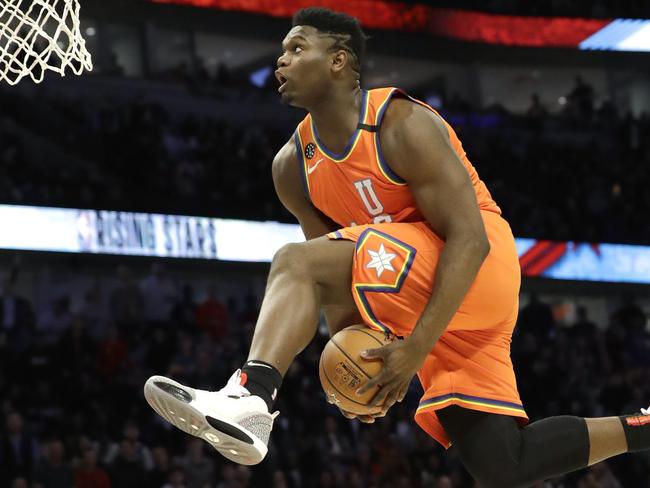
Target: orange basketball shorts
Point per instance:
(392, 279)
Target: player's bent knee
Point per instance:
(290, 258)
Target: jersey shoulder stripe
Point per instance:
(301, 163)
(384, 167)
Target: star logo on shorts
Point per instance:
(380, 260)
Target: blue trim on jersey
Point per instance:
(301, 164)
(353, 138)
(381, 159)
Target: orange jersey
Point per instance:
(358, 186)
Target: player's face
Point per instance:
(303, 68)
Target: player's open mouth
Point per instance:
(281, 79)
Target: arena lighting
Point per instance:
(621, 35)
(181, 236)
(509, 30)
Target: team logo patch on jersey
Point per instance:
(310, 150)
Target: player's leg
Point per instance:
(303, 278)
(236, 420)
(499, 453)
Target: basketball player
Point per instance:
(403, 235)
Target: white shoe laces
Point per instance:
(645, 411)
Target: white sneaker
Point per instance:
(645, 411)
(234, 422)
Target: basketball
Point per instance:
(343, 371)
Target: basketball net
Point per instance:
(38, 36)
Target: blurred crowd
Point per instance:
(73, 413)
(133, 156)
(575, 175)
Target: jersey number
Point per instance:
(370, 200)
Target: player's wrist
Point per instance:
(418, 345)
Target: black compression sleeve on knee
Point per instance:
(556, 445)
(498, 453)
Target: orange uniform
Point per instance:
(395, 260)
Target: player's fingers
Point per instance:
(380, 397)
(347, 415)
(370, 354)
(403, 392)
(372, 383)
(366, 419)
(391, 398)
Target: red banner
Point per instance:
(507, 30)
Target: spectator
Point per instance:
(126, 300)
(580, 101)
(19, 482)
(16, 316)
(536, 318)
(76, 349)
(53, 471)
(198, 468)
(127, 469)
(17, 450)
(184, 311)
(279, 480)
(89, 474)
(183, 364)
(212, 316)
(94, 312)
(536, 113)
(583, 326)
(336, 446)
(159, 295)
(113, 352)
(55, 321)
(599, 476)
(161, 469)
(142, 454)
(176, 479)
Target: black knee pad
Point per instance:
(500, 454)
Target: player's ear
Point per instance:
(340, 59)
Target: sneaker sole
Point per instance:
(173, 402)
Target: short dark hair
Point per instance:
(343, 28)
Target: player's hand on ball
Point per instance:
(401, 359)
(366, 419)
